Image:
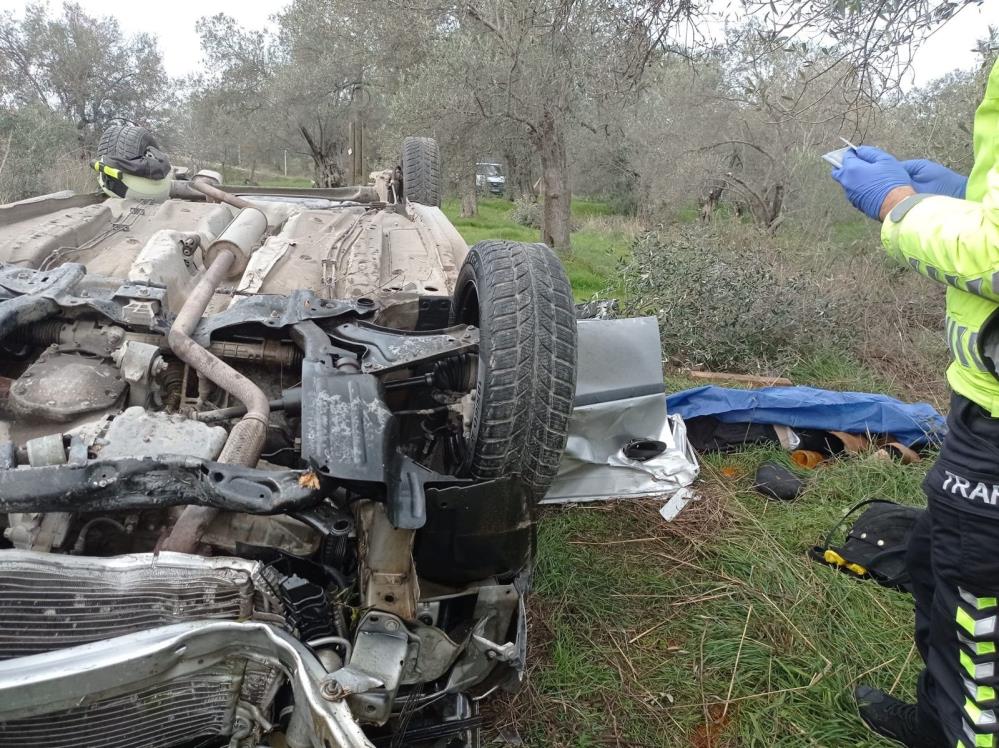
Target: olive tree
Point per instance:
(63, 80)
(870, 42)
(327, 60)
(547, 65)
(936, 120)
(540, 65)
(80, 67)
(745, 122)
(803, 73)
(234, 103)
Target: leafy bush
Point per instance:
(731, 298)
(526, 212)
(727, 306)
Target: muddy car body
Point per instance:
(268, 460)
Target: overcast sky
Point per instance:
(173, 21)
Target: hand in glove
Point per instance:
(931, 177)
(867, 176)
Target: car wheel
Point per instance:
(421, 171)
(519, 297)
(126, 142)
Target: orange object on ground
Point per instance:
(852, 443)
(899, 452)
(806, 458)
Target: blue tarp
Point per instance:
(810, 408)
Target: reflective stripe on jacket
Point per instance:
(956, 242)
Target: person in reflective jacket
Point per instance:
(946, 227)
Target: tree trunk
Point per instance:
(555, 215)
(329, 172)
(469, 200)
(776, 212)
(518, 174)
(710, 202)
(326, 158)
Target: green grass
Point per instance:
(644, 631)
(833, 370)
(715, 630)
(582, 208)
(236, 175)
(858, 231)
(492, 222)
(596, 248)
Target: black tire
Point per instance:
(421, 171)
(519, 297)
(126, 142)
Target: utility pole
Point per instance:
(356, 150)
(358, 105)
(286, 162)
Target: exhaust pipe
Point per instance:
(204, 185)
(226, 256)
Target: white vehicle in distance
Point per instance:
(489, 178)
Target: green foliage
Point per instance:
(42, 154)
(724, 303)
(80, 67)
(601, 242)
(607, 173)
(526, 212)
(593, 208)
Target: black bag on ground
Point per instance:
(874, 547)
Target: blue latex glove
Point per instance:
(931, 177)
(867, 176)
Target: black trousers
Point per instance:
(953, 560)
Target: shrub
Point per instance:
(731, 298)
(722, 306)
(526, 212)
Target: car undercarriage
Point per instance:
(269, 462)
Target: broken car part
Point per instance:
(259, 480)
(229, 252)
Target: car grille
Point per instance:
(196, 706)
(50, 602)
(201, 705)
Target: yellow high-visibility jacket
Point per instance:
(956, 242)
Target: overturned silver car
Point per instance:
(269, 458)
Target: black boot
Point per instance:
(897, 720)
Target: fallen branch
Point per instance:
(758, 381)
